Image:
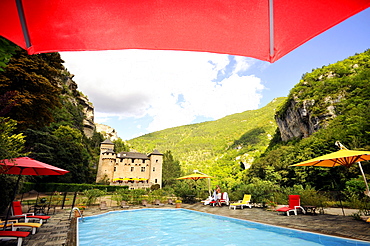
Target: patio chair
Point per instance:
(144, 203)
(294, 204)
(18, 213)
(124, 204)
(242, 203)
(170, 202)
(19, 235)
(14, 225)
(103, 205)
(224, 200)
(158, 202)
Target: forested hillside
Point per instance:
(223, 148)
(39, 101)
(329, 104)
(335, 100)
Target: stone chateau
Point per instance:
(136, 170)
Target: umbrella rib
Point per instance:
(271, 23)
(22, 19)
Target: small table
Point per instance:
(310, 209)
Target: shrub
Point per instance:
(93, 194)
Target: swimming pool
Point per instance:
(187, 227)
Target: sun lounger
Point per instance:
(14, 224)
(242, 203)
(19, 235)
(18, 213)
(208, 200)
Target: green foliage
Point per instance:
(33, 79)
(11, 146)
(122, 195)
(218, 148)
(262, 191)
(39, 93)
(92, 195)
(67, 187)
(343, 88)
(7, 50)
(170, 170)
(120, 145)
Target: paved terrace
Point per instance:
(59, 230)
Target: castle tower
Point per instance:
(107, 162)
(136, 170)
(156, 163)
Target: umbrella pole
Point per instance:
(10, 203)
(367, 192)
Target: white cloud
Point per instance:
(172, 87)
(243, 64)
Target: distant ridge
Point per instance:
(204, 145)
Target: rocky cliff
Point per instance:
(324, 94)
(107, 131)
(80, 101)
(298, 120)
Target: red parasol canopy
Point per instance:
(262, 29)
(28, 166)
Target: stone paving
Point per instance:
(57, 231)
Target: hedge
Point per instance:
(66, 187)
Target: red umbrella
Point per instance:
(263, 29)
(27, 166)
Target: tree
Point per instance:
(171, 169)
(33, 79)
(119, 146)
(11, 146)
(7, 49)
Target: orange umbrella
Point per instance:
(342, 157)
(196, 176)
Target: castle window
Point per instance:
(153, 169)
(143, 169)
(156, 161)
(115, 168)
(156, 181)
(143, 161)
(132, 169)
(132, 160)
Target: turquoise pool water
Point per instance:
(186, 227)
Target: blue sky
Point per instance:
(140, 91)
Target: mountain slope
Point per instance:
(201, 146)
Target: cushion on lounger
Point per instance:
(14, 233)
